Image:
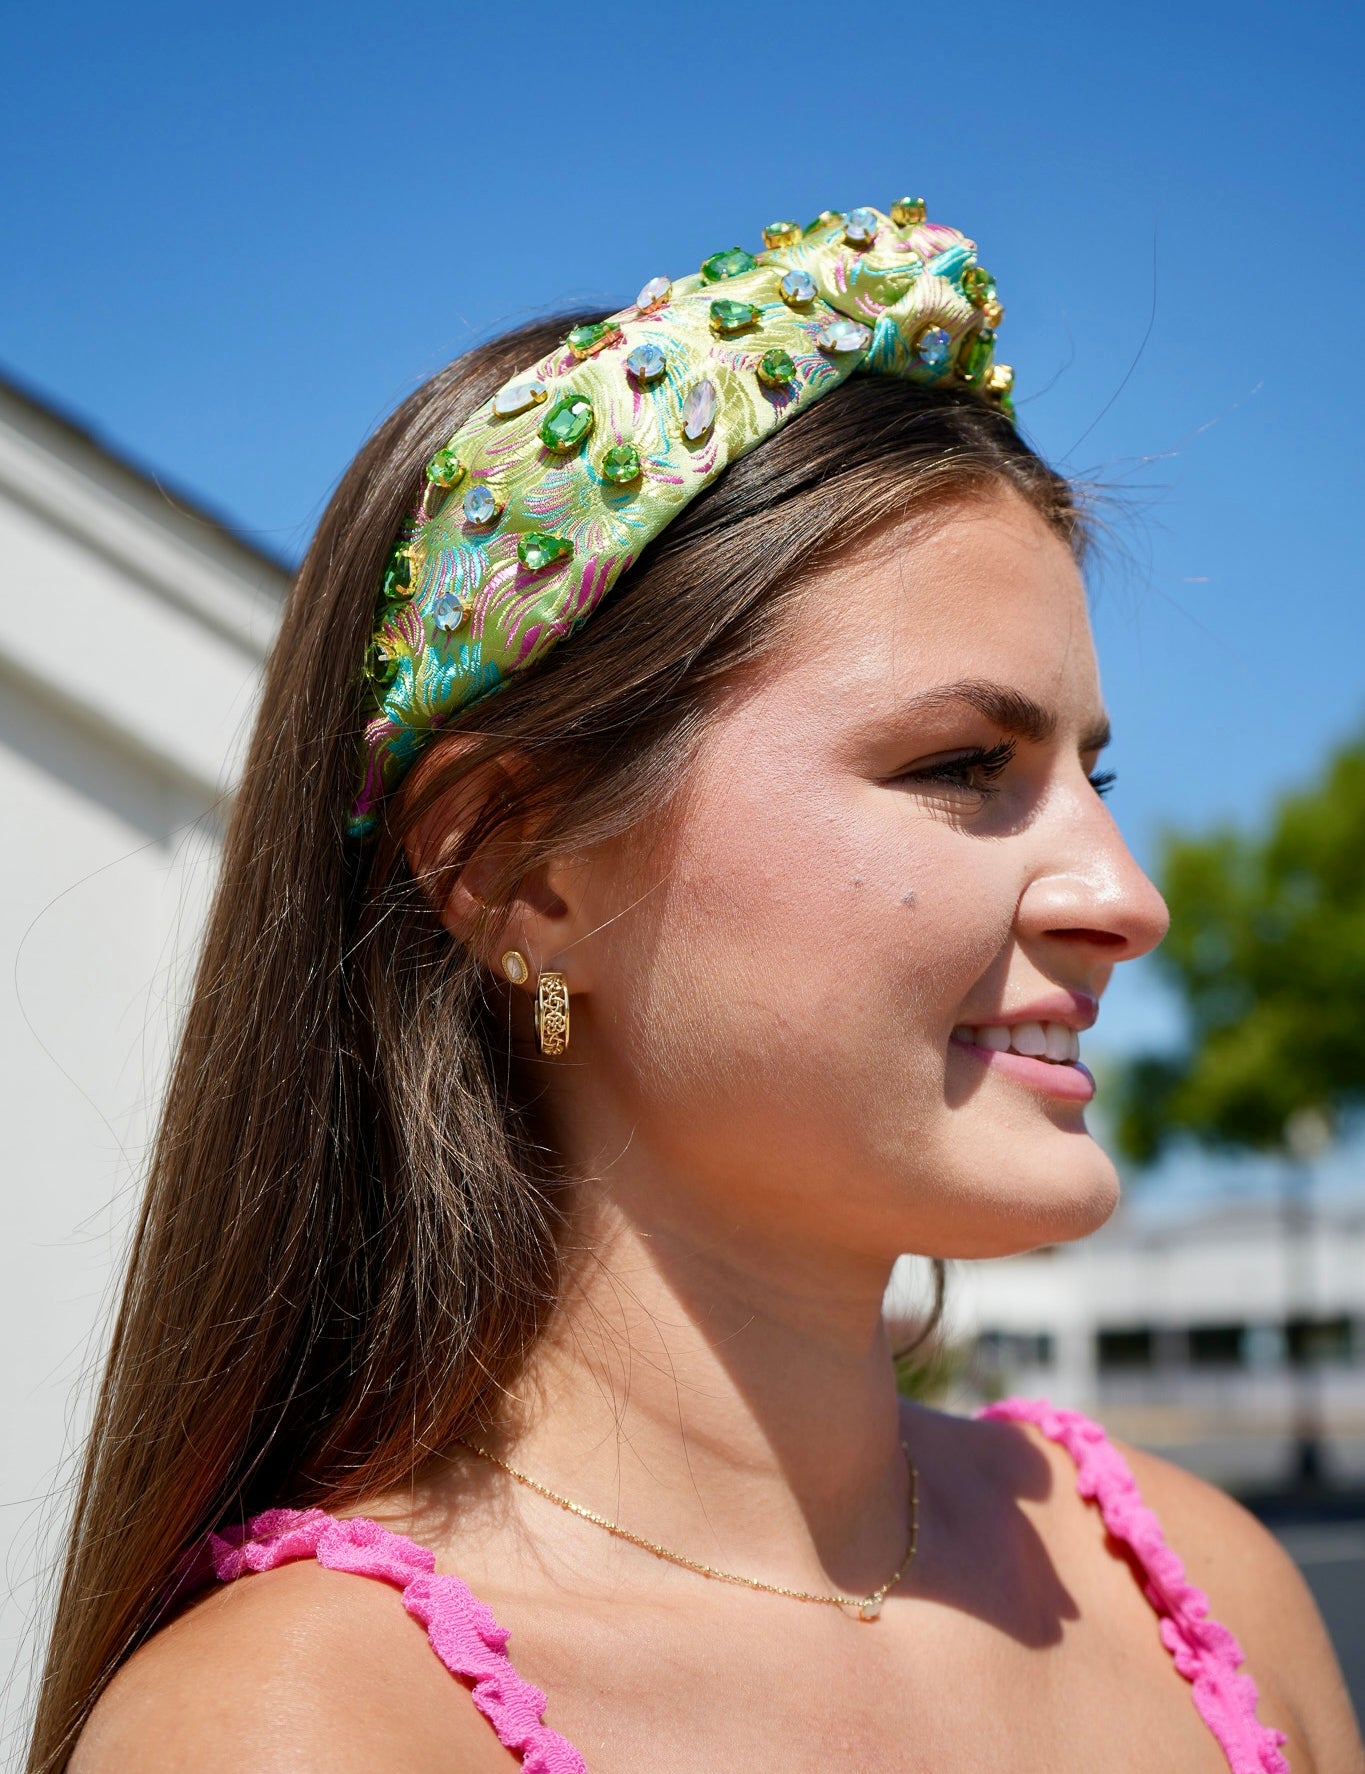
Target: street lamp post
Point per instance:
(1307, 1135)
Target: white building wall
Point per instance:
(1233, 1265)
(132, 632)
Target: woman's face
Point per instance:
(822, 1005)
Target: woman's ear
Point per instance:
(470, 850)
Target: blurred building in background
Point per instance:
(1229, 1338)
(1217, 1337)
(134, 629)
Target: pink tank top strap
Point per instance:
(1204, 1652)
(461, 1628)
(472, 1646)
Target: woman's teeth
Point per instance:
(1050, 1041)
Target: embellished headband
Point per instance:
(549, 492)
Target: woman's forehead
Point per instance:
(988, 594)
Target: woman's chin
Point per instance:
(1027, 1205)
(1068, 1207)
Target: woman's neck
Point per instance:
(725, 1390)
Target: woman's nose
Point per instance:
(1089, 889)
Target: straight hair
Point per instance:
(351, 1233)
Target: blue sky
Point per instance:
(231, 238)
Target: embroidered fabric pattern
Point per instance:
(548, 493)
(1205, 1653)
(462, 1630)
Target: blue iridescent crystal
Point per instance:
(798, 288)
(843, 336)
(517, 396)
(933, 346)
(646, 363)
(699, 410)
(448, 612)
(480, 507)
(655, 293)
(860, 227)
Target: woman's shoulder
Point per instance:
(1232, 1565)
(299, 1668)
(1256, 1590)
(1215, 1537)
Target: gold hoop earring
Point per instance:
(514, 967)
(552, 1015)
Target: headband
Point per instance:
(549, 492)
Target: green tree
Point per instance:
(1267, 955)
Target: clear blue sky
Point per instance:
(232, 237)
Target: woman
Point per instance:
(552, 1107)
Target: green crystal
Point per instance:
(974, 357)
(779, 234)
(381, 666)
(584, 340)
(537, 549)
(978, 286)
(999, 382)
(776, 369)
(733, 263)
(732, 317)
(398, 575)
(445, 469)
(826, 219)
(621, 465)
(433, 500)
(567, 423)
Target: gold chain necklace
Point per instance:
(868, 1606)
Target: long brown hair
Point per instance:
(349, 1239)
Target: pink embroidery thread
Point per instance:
(462, 1630)
(1205, 1653)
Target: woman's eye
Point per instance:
(977, 771)
(974, 771)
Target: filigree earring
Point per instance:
(552, 1015)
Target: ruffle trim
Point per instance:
(1204, 1652)
(461, 1628)
(472, 1646)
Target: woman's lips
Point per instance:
(1067, 1079)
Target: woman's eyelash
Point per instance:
(978, 769)
(975, 770)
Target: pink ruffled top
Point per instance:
(1205, 1653)
(473, 1647)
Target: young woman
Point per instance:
(682, 893)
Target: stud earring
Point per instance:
(552, 1015)
(514, 967)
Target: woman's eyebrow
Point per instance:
(1009, 709)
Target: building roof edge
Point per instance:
(79, 431)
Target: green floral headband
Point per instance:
(549, 492)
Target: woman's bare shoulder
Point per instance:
(1252, 1585)
(1255, 1589)
(300, 1669)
